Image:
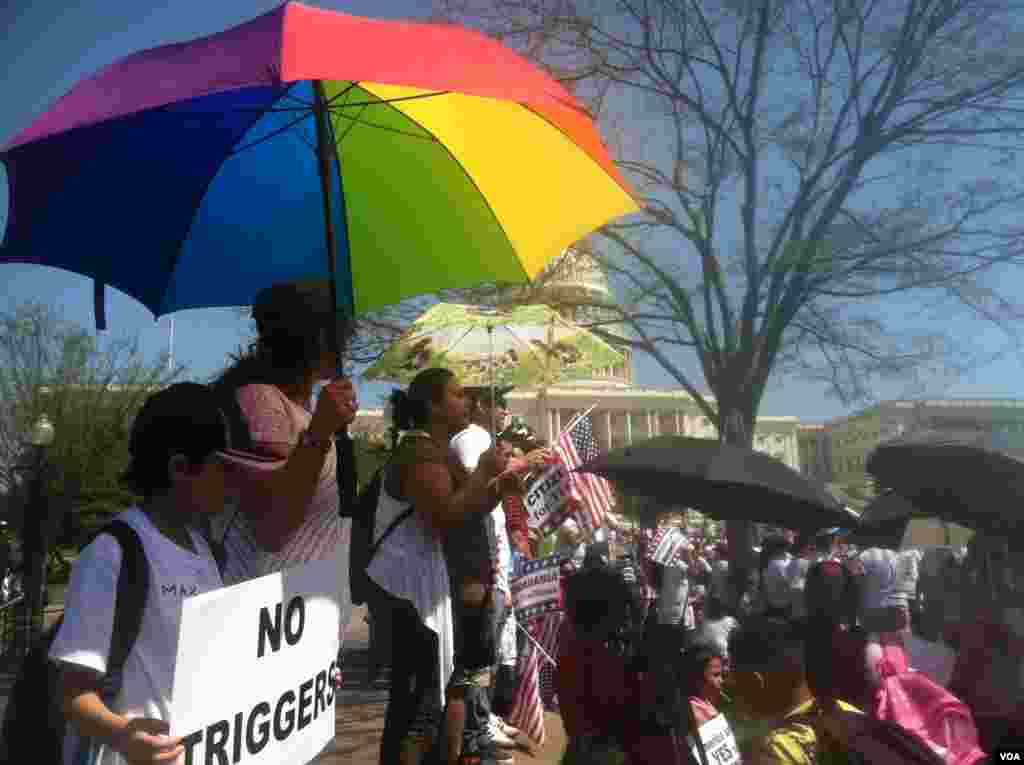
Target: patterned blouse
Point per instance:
(273, 420)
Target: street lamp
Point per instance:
(43, 432)
(34, 530)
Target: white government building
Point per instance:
(624, 412)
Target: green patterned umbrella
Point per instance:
(526, 346)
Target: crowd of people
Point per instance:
(247, 477)
(815, 659)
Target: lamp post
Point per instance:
(35, 530)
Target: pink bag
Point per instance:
(924, 708)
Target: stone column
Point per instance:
(629, 427)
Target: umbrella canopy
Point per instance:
(527, 345)
(394, 158)
(723, 481)
(884, 522)
(890, 521)
(971, 485)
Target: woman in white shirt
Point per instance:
(409, 565)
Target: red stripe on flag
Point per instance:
(594, 494)
(527, 709)
(528, 705)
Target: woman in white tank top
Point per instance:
(409, 566)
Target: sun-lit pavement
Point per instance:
(360, 713)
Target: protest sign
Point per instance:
(253, 679)
(537, 589)
(719, 742)
(547, 498)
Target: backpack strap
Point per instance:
(391, 526)
(132, 589)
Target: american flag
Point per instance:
(594, 496)
(528, 706)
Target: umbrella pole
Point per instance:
(494, 404)
(323, 145)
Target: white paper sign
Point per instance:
(252, 683)
(546, 497)
(719, 743)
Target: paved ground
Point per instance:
(360, 714)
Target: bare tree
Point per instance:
(809, 168)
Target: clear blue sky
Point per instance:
(49, 48)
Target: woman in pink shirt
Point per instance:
(285, 480)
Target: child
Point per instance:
(176, 447)
(703, 673)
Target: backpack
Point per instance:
(926, 709)
(363, 546)
(34, 720)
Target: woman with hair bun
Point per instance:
(427, 499)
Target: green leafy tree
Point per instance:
(90, 390)
(810, 171)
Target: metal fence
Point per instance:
(9, 617)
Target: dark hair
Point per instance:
(694, 664)
(830, 593)
(830, 599)
(820, 666)
(592, 593)
(280, 356)
(411, 408)
(763, 644)
(148, 476)
(181, 419)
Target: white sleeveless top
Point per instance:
(410, 565)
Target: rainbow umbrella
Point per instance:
(392, 158)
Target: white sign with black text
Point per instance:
(253, 681)
(546, 497)
(719, 743)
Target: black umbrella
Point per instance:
(976, 486)
(723, 481)
(884, 522)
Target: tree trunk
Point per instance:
(736, 427)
